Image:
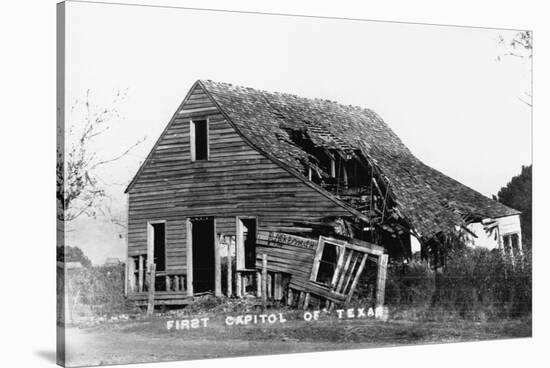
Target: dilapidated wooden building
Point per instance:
(252, 192)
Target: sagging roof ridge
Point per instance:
(246, 107)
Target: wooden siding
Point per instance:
(237, 180)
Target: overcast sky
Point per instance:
(441, 89)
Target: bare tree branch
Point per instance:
(80, 190)
(521, 47)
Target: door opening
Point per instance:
(159, 246)
(246, 247)
(203, 254)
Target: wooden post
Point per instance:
(289, 297)
(239, 284)
(301, 299)
(245, 283)
(176, 283)
(140, 274)
(306, 301)
(151, 300)
(264, 277)
(229, 270)
(277, 294)
(126, 278)
(381, 279)
(217, 265)
(168, 286)
(258, 284)
(189, 248)
(131, 274)
(269, 290)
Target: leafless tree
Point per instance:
(80, 190)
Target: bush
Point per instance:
(97, 290)
(411, 284)
(475, 284)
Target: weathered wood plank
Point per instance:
(217, 265)
(140, 273)
(239, 284)
(151, 298)
(381, 279)
(264, 277)
(229, 271)
(131, 275)
(344, 272)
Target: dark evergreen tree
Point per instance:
(518, 195)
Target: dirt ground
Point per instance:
(150, 340)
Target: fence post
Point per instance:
(264, 277)
(229, 271)
(151, 301)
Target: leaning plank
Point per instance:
(350, 277)
(356, 279)
(338, 269)
(344, 272)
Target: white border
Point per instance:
(28, 87)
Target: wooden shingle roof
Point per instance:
(430, 201)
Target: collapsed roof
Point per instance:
(287, 128)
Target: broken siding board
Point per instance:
(275, 266)
(276, 253)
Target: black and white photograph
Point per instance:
(240, 183)
(235, 184)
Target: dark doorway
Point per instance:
(249, 239)
(327, 264)
(203, 255)
(159, 246)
